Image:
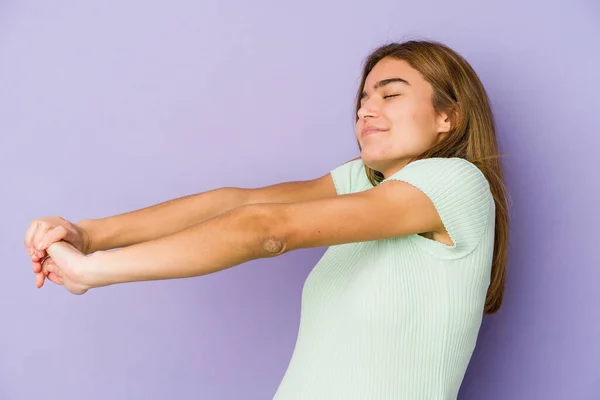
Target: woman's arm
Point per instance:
(174, 215)
(258, 231)
(159, 220)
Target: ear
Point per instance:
(443, 123)
(446, 121)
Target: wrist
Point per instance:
(87, 231)
(94, 275)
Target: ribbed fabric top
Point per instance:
(398, 318)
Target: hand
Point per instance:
(69, 267)
(45, 231)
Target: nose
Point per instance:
(369, 108)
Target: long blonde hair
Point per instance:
(458, 92)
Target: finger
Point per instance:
(36, 265)
(53, 272)
(46, 263)
(50, 267)
(39, 280)
(30, 234)
(37, 254)
(42, 230)
(52, 236)
(55, 278)
(38, 258)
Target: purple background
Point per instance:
(117, 105)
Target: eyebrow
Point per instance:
(384, 82)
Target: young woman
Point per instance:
(417, 230)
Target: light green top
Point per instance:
(398, 318)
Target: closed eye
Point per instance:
(390, 96)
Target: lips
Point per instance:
(369, 130)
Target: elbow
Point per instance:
(268, 225)
(273, 246)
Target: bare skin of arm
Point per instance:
(251, 232)
(163, 219)
(174, 215)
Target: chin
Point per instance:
(375, 163)
(381, 163)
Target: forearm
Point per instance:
(227, 240)
(160, 220)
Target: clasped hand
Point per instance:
(56, 247)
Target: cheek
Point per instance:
(420, 121)
(357, 128)
(405, 114)
(426, 115)
(407, 122)
(412, 131)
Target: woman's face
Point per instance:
(396, 120)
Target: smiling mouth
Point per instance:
(371, 131)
